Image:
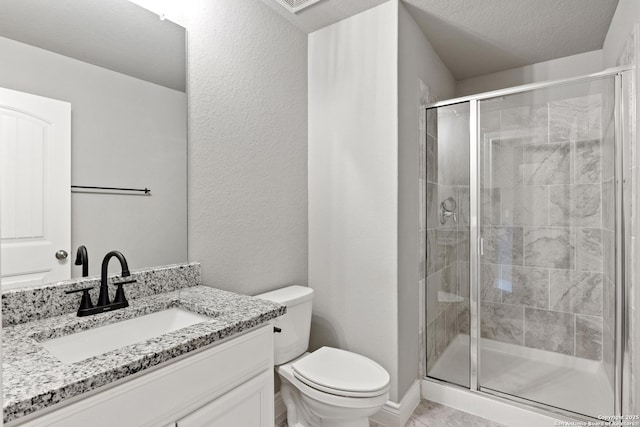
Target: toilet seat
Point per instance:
(341, 373)
(286, 373)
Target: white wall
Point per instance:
(627, 14)
(125, 133)
(416, 60)
(247, 83)
(353, 185)
(569, 66)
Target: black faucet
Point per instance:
(119, 301)
(82, 258)
(103, 299)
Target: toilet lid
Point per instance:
(341, 373)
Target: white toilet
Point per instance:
(329, 387)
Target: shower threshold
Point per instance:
(565, 382)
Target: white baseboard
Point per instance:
(280, 411)
(486, 407)
(395, 414)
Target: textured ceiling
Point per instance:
(476, 37)
(473, 37)
(114, 34)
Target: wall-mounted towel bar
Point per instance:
(91, 189)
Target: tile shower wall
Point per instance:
(424, 93)
(447, 245)
(544, 176)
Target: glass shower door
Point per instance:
(447, 243)
(546, 268)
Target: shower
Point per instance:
(524, 235)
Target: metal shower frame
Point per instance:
(624, 100)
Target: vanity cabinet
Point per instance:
(250, 404)
(225, 384)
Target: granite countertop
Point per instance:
(33, 379)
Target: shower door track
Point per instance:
(528, 87)
(623, 87)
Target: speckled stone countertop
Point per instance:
(40, 302)
(33, 379)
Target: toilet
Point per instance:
(329, 387)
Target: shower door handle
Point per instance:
(481, 246)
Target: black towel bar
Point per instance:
(138, 190)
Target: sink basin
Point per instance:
(93, 342)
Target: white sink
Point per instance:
(93, 342)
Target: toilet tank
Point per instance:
(293, 341)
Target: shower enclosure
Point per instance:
(525, 293)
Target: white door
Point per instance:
(35, 193)
(248, 405)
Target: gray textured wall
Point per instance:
(247, 205)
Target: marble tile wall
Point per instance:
(447, 245)
(543, 208)
(425, 97)
(547, 219)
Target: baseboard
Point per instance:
(395, 414)
(280, 410)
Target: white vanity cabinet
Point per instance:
(228, 384)
(250, 404)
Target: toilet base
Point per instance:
(305, 411)
(297, 413)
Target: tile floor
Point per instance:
(430, 414)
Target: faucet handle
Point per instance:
(73, 291)
(85, 302)
(120, 298)
(126, 282)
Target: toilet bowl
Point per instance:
(321, 396)
(329, 387)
